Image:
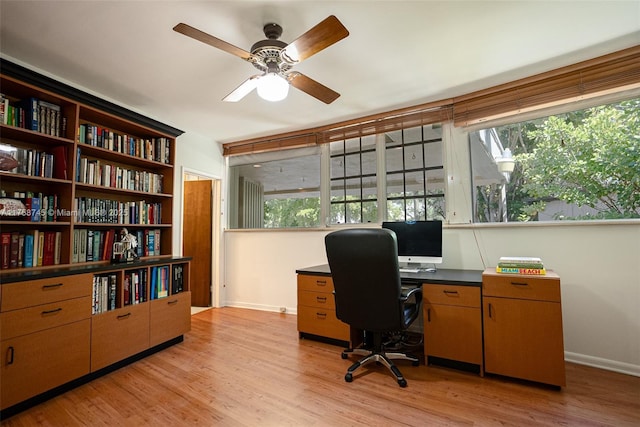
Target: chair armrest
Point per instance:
(413, 292)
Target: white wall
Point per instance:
(599, 267)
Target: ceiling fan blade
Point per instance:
(312, 87)
(313, 41)
(194, 33)
(243, 90)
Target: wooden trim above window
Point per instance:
(435, 112)
(610, 73)
(599, 76)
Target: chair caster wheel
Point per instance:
(348, 378)
(402, 383)
(416, 363)
(344, 355)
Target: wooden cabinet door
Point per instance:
(118, 334)
(523, 339)
(35, 363)
(453, 332)
(169, 317)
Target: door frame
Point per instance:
(216, 229)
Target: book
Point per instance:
(59, 162)
(5, 247)
(525, 271)
(520, 260)
(28, 249)
(14, 248)
(30, 108)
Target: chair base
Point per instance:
(385, 358)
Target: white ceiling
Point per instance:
(398, 53)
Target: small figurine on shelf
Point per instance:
(124, 250)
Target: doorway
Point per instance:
(199, 231)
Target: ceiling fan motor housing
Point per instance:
(266, 53)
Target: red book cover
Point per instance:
(48, 255)
(60, 162)
(5, 248)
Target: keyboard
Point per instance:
(409, 270)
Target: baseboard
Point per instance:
(597, 362)
(262, 307)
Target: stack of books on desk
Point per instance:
(521, 265)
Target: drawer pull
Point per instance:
(48, 287)
(175, 301)
(519, 284)
(10, 352)
(321, 315)
(450, 292)
(55, 310)
(321, 282)
(123, 316)
(490, 312)
(428, 315)
(321, 299)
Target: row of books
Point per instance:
(34, 207)
(157, 149)
(107, 211)
(159, 287)
(31, 162)
(97, 172)
(33, 114)
(33, 248)
(521, 265)
(97, 245)
(134, 286)
(104, 293)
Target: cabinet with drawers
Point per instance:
(45, 329)
(452, 323)
(523, 326)
(316, 309)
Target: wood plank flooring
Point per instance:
(240, 367)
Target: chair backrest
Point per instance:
(366, 278)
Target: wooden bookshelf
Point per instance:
(64, 305)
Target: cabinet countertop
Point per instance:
(440, 276)
(28, 274)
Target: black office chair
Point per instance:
(368, 294)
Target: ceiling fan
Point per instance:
(275, 59)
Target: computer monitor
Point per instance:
(419, 242)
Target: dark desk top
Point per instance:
(440, 276)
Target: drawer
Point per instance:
(43, 291)
(541, 288)
(467, 296)
(323, 323)
(316, 299)
(315, 283)
(27, 320)
(169, 317)
(118, 334)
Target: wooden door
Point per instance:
(523, 339)
(197, 238)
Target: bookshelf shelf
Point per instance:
(62, 260)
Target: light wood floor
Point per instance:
(241, 367)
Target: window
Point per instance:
(275, 190)
(415, 174)
(354, 197)
(573, 166)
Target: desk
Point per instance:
(452, 316)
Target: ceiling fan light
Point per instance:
(272, 87)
